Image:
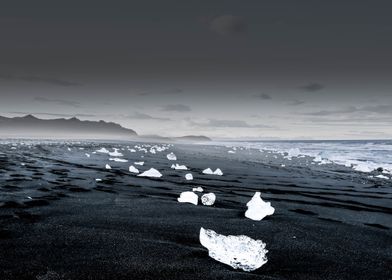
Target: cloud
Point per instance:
(375, 109)
(228, 25)
(176, 108)
(296, 102)
(264, 96)
(57, 101)
(228, 124)
(142, 116)
(312, 87)
(38, 79)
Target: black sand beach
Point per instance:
(57, 222)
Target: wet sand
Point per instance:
(57, 222)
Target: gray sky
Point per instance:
(241, 69)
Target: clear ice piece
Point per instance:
(189, 197)
(171, 156)
(208, 199)
(258, 209)
(189, 176)
(240, 252)
(152, 172)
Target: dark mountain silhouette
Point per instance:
(30, 126)
(193, 138)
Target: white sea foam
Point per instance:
(363, 156)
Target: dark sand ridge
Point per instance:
(330, 222)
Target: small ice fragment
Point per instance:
(22, 163)
(171, 156)
(103, 150)
(208, 199)
(231, 152)
(258, 209)
(208, 171)
(283, 165)
(188, 197)
(198, 189)
(133, 169)
(69, 149)
(29, 197)
(240, 252)
(218, 172)
(118, 159)
(116, 153)
(98, 180)
(179, 167)
(107, 166)
(132, 150)
(87, 155)
(381, 177)
(189, 176)
(139, 163)
(152, 172)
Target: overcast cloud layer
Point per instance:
(225, 69)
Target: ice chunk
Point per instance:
(218, 172)
(381, 177)
(171, 156)
(87, 155)
(107, 166)
(152, 172)
(179, 167)
(198, 189)
(118, 159)
(208, 171)
(69, 149)
(98, 180)
(133, 169)
(189, 176)
(132, 150)
(139, 163)
(258, 209)
(240, 252)
(116, 153)
(231, 152)
(103, 150)
(189, 197)
(208, 199)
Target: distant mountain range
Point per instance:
(73, 128)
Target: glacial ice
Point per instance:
(133, 169)
(240, 252)
(102, 150)
(258, 209)
(382, 177)
(189, 176)
(188, 197)
(218, 172)
(208, 171)
(208, 199)
(179, 167)
(171, 156)
(152, 172)
(118, 159)
(107, 166)
(116, 153)
(198, 189)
